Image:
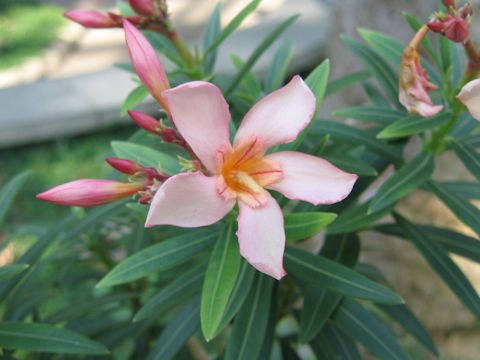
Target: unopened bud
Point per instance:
(143, 7)
(457, 29)
(449, 4)
(467, 10)
(125, 166)
(146, 122)
(436, 26)
(90, 19)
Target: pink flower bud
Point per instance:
(467, 10)
(125, 166)
(146, 62)
(89, 192)
(449, 3)
(143, 7)
(457, 29)
(136, 20)
(90, 19)
(436, 26)
(146, 122)
(115, 17)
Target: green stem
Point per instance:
(436, 144)
(181, 47)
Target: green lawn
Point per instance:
(27, 28)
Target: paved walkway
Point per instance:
(80, 90)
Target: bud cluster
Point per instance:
(151, 14)
(456, 24)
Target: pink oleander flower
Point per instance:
(414, 83)
(241, 173)
(90, 192)
(91, 19)
(146, 62)
(470, 97)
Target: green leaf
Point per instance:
(469, 156)
(361, 325)
(403, 181)
(468, 190)
(355, 136)
(445, 52)
(8, 192)
(177, 332)
(332, 276)
(465, 211)
(145, 156)
(259, 50)
(472, 140)
(402, 314)
(443, 265)
(46, 338)
(319, 304)
(351, 164)
(333, 344)
(219, 280)
(450, 240)
(212, 32)
(159, 257)
(388, 47)
(249, 81)
(413, 124)
(278, 68)
(251, 322)
(300, 226)
(371, 113)
(346, 81)
(384, 74)
(7, 271)
(134, 98)
(357, 218)
(174, 293)
(426, 43)
(375, 95)
(464, 125)
(242, 287)
(235, 23)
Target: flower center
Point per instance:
(244, 172)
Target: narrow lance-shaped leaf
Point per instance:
(159, 257)
(406, 179)
(7, 271)
(46, 338)
(303, 225)
(371, 114)
(250, 324)
(219, 280)
(278, 68)
(249, 81)
(388, 47)
(259, 50)
(134, 98)
(177, 332)
(443, 265)
(413, 124)
(346, 81)
(8, 192)
(465, 211)
(212, 32)
(332, 276)
(334, 344)
(361, 325)
(468, 190)
(469, 156)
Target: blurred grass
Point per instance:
(52, 164)
(27, 28)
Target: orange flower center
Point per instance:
(243, 172)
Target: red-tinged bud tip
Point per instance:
(449, 3)
(115, 17)
(436, 26)
(457, 29)
(467, 11)
(89, 192)
(90, 19)
(146, 122)
(143, 7)
(146, 62)
(135, 19)
(125, 166)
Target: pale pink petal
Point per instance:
(201, 115)
(279, 116)
(188, 200)
(311, 178)
(89, 192)
(90, 19)
(470, 96)
(261, 237)
(145, 61)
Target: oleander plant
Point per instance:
(231, 225)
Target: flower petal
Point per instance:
(188, 200)
(310, 178)
(279, 116)
(90, 19)
(201, 115)
(470, 97)
(261, 237)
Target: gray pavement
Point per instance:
(80, 91)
